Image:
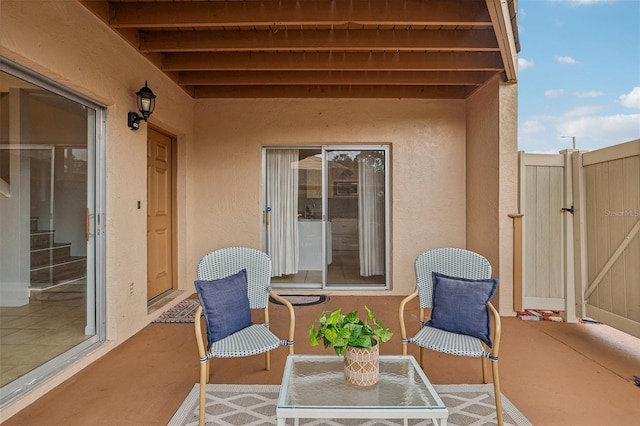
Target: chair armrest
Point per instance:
(202, 347)
(403, 303)
(497, 330)
(292, 315)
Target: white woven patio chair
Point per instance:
(467, 265)
(254, 339)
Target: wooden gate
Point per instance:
(545, 202)
(609, 220)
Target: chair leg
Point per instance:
(496, 390)
(204, 378)
(484, 369)
(267, 361)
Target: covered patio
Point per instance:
(435, 82)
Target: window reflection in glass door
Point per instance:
(356, 212)
(45, 306)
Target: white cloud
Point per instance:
(588, 2)
(589, 124)
(532, 133)
(594, 132)
(631, 99)
(565, 60)
(583, 111)
(532, 127)
(591, 94)
(555, 93)
(523, 64)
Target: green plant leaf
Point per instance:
(335, 318)
(362, 342)
(313, 339)
(330, 335)
(369, 313)
(352, 317)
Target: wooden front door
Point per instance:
(159, 214)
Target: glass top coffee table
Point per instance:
(313, 386)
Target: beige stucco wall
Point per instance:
(492, 181)
(508, 193)
(427, 142)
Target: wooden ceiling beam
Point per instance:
(398, 92)
(350, 61)
(340, 78)
(319, 40)
(295, 13)
(439, 49)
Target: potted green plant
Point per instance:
(357, 339)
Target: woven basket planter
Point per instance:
(361, 365)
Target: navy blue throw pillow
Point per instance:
(460, 306)
(225, 304)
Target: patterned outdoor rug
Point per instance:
(183, 312)
(256, 405)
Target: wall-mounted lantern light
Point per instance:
(146, 104)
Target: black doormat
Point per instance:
(301, 300)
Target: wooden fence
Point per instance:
(581, 235)
(609, 219)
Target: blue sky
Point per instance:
(579, 74)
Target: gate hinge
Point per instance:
(570, 209)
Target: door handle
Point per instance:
(568, 209)
(86, 224)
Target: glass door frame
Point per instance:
(387, 211)
(324, 216)
(96, 244)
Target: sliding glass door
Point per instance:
(326, 216)
(48, 291)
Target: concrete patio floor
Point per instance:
(555, 373)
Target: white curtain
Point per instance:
(282, 199)
(370, 215)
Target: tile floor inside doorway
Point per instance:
(33, 334)
(343, 270)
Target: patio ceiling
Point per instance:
(441, 49)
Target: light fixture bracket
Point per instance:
(133, 120)
(146, 101)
